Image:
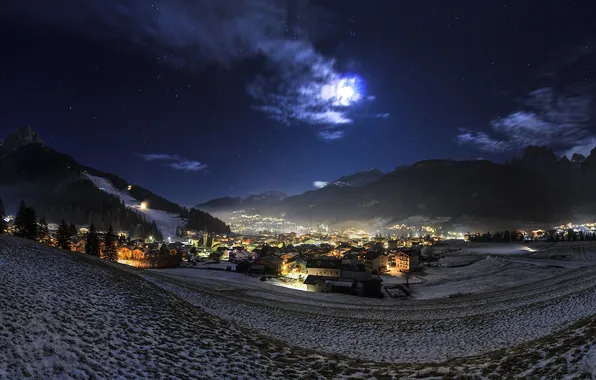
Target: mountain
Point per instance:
(250, 202)
(59, 187)
(436, 188)
(358, 179)
(20, 137)
(269, 198)
(536, 187)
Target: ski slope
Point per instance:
(165, 221)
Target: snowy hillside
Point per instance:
(165, 221)
(66, 315)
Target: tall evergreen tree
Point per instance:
(163, 250)
(109, 251)
(63, 236)
(92, 243)
(43, 230)
(72, 229)
(3, 224)
(25, 224)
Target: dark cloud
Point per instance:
(175, 161)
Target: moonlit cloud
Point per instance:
(160, 156)
(320, 184)
(382, 115)
(331, 135)
(300, 86)
(175, 161)
(546, 118)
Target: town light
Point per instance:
(143, 206)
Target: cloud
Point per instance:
(545, 117)
(175, 161)
(331, 135)
(320, 184)
(161, 156)
(196, 32)
(382, 115)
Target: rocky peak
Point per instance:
(577, 157)
(19, 137)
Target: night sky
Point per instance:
(200, 99)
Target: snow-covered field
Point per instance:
(66, 315)
(165, 221)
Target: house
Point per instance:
(318, 284)
(366, 284)
(329, 268)
(375, 261)
(342, 285)
(272, 263)
(406, 261)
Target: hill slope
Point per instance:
(59, 187)
(101, 320)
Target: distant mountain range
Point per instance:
(537, 187)
(59, 187)
(250, 202)
(358, 179)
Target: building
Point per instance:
(318, 284)
(375, 261)
(406, 261)
(328, 268)
(365, 283)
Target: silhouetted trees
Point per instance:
(3, 224)
(163, 250)
(82, 203)
(25, 224)
(92, 242)
(198, 220)
(504, 237)
(63, 235)
(72, 230)
(109, 250)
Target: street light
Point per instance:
(143, 206)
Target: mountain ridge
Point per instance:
(538, 186)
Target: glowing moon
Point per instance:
(343, 92)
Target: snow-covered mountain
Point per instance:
(61, 188)
(167, 222)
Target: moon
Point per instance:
(343, 91)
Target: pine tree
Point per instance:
(63, 236)
(43, 230)
(3, 224)
(109, 251)
(92, 243)
(72, 230)
(20, 220)
(163, 250)
(25, 224)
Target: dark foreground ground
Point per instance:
(64, 315)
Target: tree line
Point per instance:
(518, 236)
(82, 203)
(26, 225)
